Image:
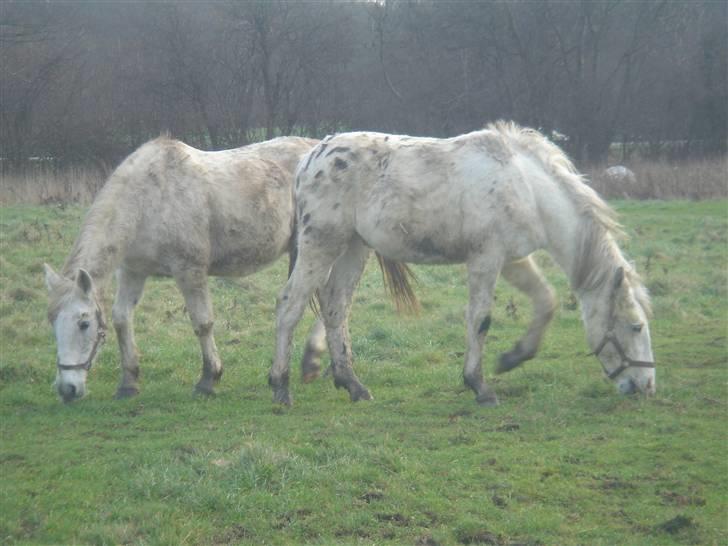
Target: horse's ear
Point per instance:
(52, 279)
(84, 282)
(618, 278)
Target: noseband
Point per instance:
(626, 362)
(100, 338)
(610, 337)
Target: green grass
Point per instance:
(562, 460)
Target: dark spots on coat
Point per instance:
(484, 326)
(298, 181)
(285, 298)
(343, 348)
(383, 162)
(307, 230)
(427, 247)
(319, 175)
(336, 206)
(340, 164)
(340, 149)
(386, 138)
(490, 191)
(306, 218)
(322, 147)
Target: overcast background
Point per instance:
(89, 82)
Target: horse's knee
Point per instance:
(204, 330)
(119, 318)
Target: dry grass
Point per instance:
(692, 179)
(44, 184)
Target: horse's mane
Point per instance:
(598, 255)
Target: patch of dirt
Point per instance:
(676, 524)
(508, 427)
(396, 518)
(370, 496)
(500, 502)
(480, 537)
(233, 534)
(672, 497)
(426, 541)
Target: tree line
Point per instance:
(88, 82)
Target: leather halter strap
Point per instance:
(610, 337)
(100, 338)
(626, 362)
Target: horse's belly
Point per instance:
(434, 240)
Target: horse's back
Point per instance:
(420, 200)
(229, 211)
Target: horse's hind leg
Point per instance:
(128, 294)
(312, 267)
(482, 276)
(525, 275)
(193, 285)
(335, 301)
(315, 347)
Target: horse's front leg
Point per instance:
(526, 277)
(336, 300)
(482, 276)
(129, 292)
(193, 285)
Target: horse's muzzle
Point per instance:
(70, 392)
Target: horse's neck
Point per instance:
(579, 244)
(102, 241)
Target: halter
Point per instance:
(100, 338)
(610, 337)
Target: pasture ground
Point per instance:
(563, 460)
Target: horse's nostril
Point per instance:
(72, 390)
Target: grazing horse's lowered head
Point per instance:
(618, 332)
(79, 327)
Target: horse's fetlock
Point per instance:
(278, 382)
(474, 381)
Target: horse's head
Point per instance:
(78, 324)
(620, 335)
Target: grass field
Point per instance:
(563, 460)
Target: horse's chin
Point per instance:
(70, 393)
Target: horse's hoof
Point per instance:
(311, 376)
(203, 390)
(487, 399)
(360, 393)
(507, 362)
(126, 392)
(282, 397)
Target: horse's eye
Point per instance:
(84, 324)
(637, 327)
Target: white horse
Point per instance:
(172, 210)
(488, 199)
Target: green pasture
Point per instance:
(563, 460)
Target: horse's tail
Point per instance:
(397, 276)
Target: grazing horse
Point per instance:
(488, 199)
(172, 210)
